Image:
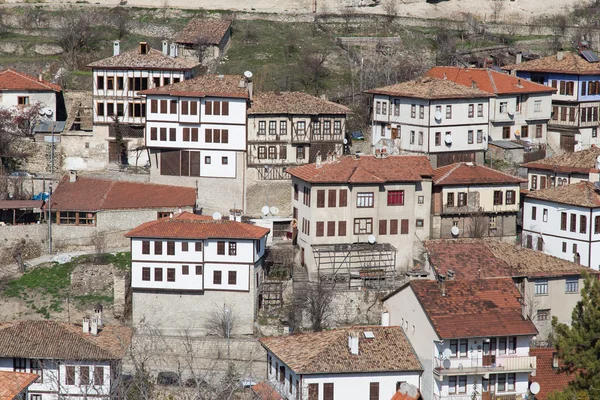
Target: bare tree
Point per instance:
(497, 8)
(318, 297)
(313, 71)
(16, 126)
(34, 17)
(220, 321)
(390, 7)
(202, 46)
(76, 35)
(120, 18)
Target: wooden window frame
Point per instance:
(221, 248)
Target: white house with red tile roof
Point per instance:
(352, 209)
(474, 201)
(357, 362)
(18, 89)
(470, 336)
(188, 265)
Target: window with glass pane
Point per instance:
(541, 287)
(395, 198)
(364, 199)
(572, 285)
(452, 384)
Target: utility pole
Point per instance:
(50, 218)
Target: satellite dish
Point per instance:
(217, 216)
(346, 141)
(372, 239)
(454, 230)
(448, 139)
(49, 112)
(534, 388)
(447, 353)
(265, 210)
(274, 210)
(248, 74)
(446, 363)
(438, 116)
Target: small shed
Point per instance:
(20, 212)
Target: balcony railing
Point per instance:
(475, 365)
(461, 209)
(483, 396)
(327, 137)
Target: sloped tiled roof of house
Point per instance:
(549, 378)
(571, 63)
(473, 308)
(366, 169)
(583, 194)
(92, 194)
(583, 161)
(13, 383)
(328, 352)
(209, 31)
(466, 173)
(294, 103)
(153, 59)
(431, 88)
(266, 391)
(480, 259)
(15, 80)
(190, 226)
(488, 80)
(62, 341)
(205, 85)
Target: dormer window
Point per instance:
(143, 48)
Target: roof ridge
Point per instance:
(450, 171)
(493, 82)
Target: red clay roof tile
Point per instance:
(549, 378)
(469, 173)
(13, 383)
(583, 194)
(209, 31)
(571, 63)
(205, 85)
(583, 161)
(152, 60)
(296, 103)
(431, 88)
(15, 80)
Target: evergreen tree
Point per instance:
(578, 345)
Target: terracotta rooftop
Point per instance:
(265, 391)
(366, 169)
(62, 341)
(190, 226)
(431, 88)
(20, 204)
(328, 353)
(92, 194)
(15, 80)
(205, 85)
(488, 80)
(479, 258)
(153, 59)
(296, 103)
(13, 383)
(472, 308)
(466, 173)
(549, 378)
(572, 63)
(209, 31)
(583, 194)
(583, 161)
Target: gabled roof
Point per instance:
(62, 341)
(92, 194)
(190, 226)
(472, 308)
(366, 169)
(488, 80)
(582, 194)
(583, 161)
(571, 63)
(480, 259)
(205, 86)
(294, 103)
(209, 31)
(13, 383)
(15, 80)
(549, 378)
(153, 59)
(431, 88)
(266, 391)
(328, 353)
(466, 173)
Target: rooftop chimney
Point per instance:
(385, 318)
(445, 77)
(98, 313)
(250, 89)
(72, 176)
(353, 343)
(173, 52)
(116, 48)
(443, 288)
(144, 47)
(94, 326)
(40, 76)
(473, 85)
(560, 55)
(524, 309)
(86, 325)
(555, 360)
(165, 47)
(318, 159)
(519, 59)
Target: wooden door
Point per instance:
(567, 143)
(394, 133)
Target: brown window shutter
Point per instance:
(393, 226)
(172, 134)
(343, 197)
(185, 163)
(198, 269)
(198, 246)
(216, 107)
(163, 134)
(163, 106)
(193, 108)
(186, 134)
(170, 162)
(194, 134)
(170, 274)
(320, 198)
(342, 228)
(374, 391)
(170, 248)
(153, 134)
(328, 391)
(232, 278)
(158, 247)
(225, 108)
(184, 107)
(224, 136)
(320, 228)
(194, 163)
(208, 135)
(208, 107)
(221, 248)
(185, 270)
(383, 227)
(145, 273)
(331, 228)
(173, 107)
(154, 106)
(404, 227)
(332, 197)
(184, 246)
(216, 136)
(217, 277)
(158, 275)
(283, 152)
(313, 391)
(146, 247)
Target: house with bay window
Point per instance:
(189, 265)
(472, 337)
(288, 129)
(564, 221)
(69, 360)
(447, 121)
(196, 134)
(361, 215)
(474, 201)
(357, 362)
